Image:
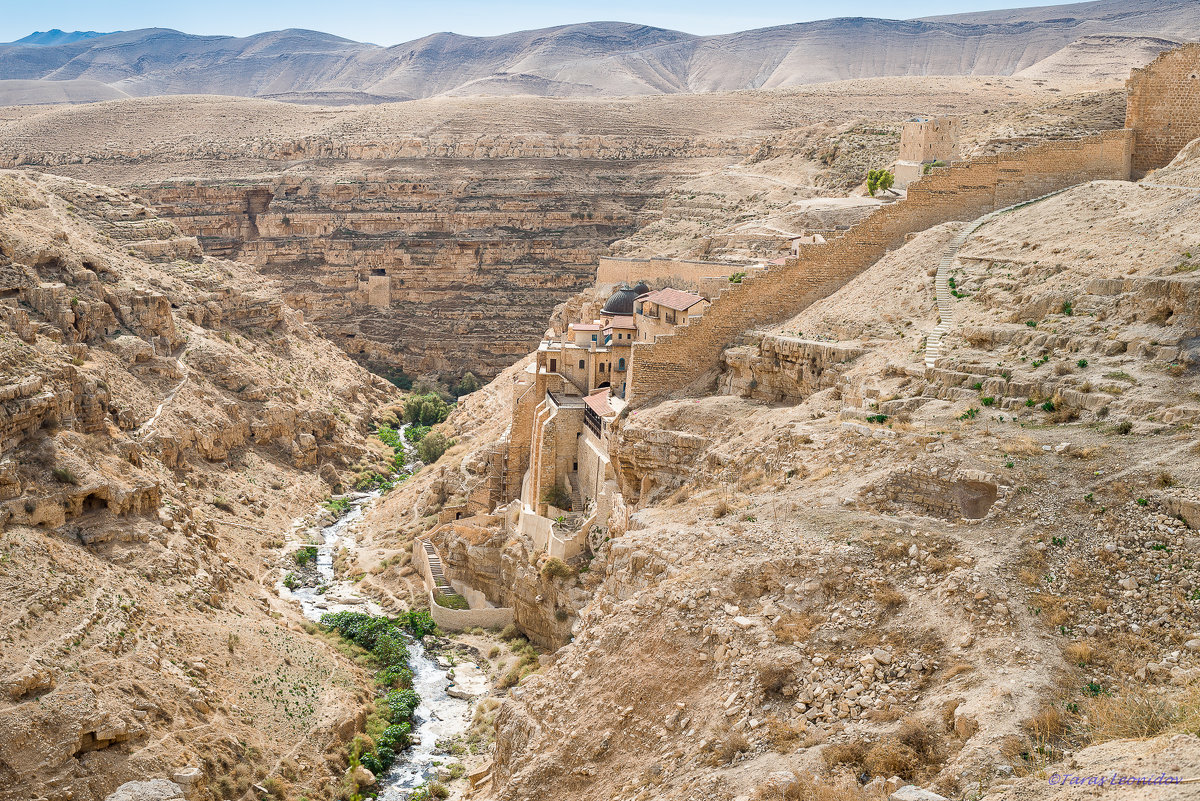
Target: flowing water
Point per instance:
(439, 716)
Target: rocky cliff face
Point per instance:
(443, 270)
(161, 414)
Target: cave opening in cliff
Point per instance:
(92, 502)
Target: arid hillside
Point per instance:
(163, 417)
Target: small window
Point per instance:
(581, 364)
(620, 364)
(593, 337)
(554, 365)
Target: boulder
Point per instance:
(914, 793)
(152, 790)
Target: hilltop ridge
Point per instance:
(587, 59)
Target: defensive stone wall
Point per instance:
(1163, 108)
(962, 191)
(612, 270)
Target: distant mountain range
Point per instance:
(590, 59)
(56, 37)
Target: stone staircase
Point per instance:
(441, 586)
(576, 496)
(941, 284)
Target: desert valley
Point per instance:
(604, 412)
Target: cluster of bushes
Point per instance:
(397, 710)
(337, 505)
(306, 554)
(385, 640)
(429, 791)
(416, 432)
(428, 409)
(430, 444)
(391, 438)
(466, 385)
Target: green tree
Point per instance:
(426, 410)
(879, 180)
(466, 385)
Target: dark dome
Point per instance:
(621, 302)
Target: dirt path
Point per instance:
(147, 427)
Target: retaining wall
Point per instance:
(495, 617)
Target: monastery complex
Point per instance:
(664, 324)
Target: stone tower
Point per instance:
(1163, 109)
(924, 140)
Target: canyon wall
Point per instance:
(445, 269)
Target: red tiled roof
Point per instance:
(622, 322)
(598, 403)
(675, 299)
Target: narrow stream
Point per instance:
(439, 716)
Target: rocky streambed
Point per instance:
(446, 689)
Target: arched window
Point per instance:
(621, 364)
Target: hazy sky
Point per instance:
(389, 23)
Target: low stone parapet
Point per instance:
(492, 617)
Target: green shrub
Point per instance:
(988, 401)
(395, 736)
(556, 568)
(401, 705)
(432, 446)
(306, 554)
(466, 385)
(1048, 406)
(337, 505)
(290, 581)
(1081, 363)
(418, 622)
(1067, 308)
(416, 432)
(64, 475)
